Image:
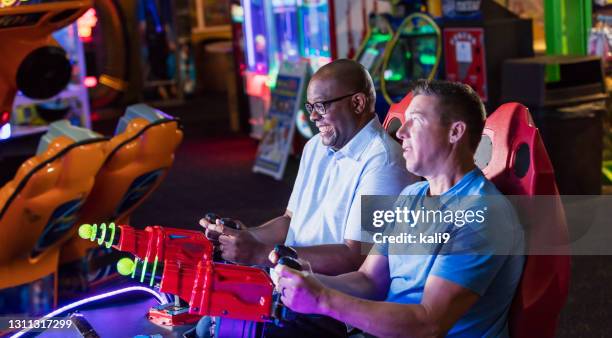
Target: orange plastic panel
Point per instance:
(40, 206)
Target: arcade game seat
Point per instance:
(140, 155)
(41, 204)
(512, 155)
(395, 117)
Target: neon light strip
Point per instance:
(92, 299)
(249, 33)
(153, 273)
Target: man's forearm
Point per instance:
(382, 319)
(331, 259)
(273, 231)
(354, 283)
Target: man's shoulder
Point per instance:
(382, 147)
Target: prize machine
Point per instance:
(42, 72)
(414, 53)
(478, 36)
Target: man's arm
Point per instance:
(371, 281)
(333, 259)
(274, 231)
(443, 303)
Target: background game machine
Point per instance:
(370, 54)
(257, 28)
(329, 30)
(33, 62)
(414, 53)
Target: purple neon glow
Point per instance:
(92, 299)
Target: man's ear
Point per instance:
(359, 103)
(456, 132)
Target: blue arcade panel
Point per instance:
(286, 29)
(257, 36)
(316, 39)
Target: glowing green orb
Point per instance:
(85, 231)
(125, 266)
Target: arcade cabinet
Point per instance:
(257, 44)
(33, 63)
(104, 32)
(370, 54)
(38, 210)
(140, 155)
(334, 29)
(477, 42)
(72, 103)
(414, 53)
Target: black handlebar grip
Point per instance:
(290, 262)
(285, 251)
(211, 217)
(228, 222)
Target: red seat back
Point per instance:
(512, 155)
(395, 117)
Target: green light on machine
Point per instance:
(376, 38)
(428, 59)
(391, 76)
(372, 51)
(408, 55)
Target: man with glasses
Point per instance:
(351, 156)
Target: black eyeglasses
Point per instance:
(320, 107)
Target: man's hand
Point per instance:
(239, 246)
(214, 230)
(301, 291)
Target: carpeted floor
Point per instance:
(212, 172)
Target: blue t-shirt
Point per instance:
(492, 276)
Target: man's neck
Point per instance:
(360, 125)
(446, 179)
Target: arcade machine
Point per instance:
(237, 22)
(478, 37)
(371, 52)
(257, 43)
(165, 32)
(414, 53)
(107, 50)
(332, 29)
(36, 68)
(72, 103)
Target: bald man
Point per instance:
(351, 156)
